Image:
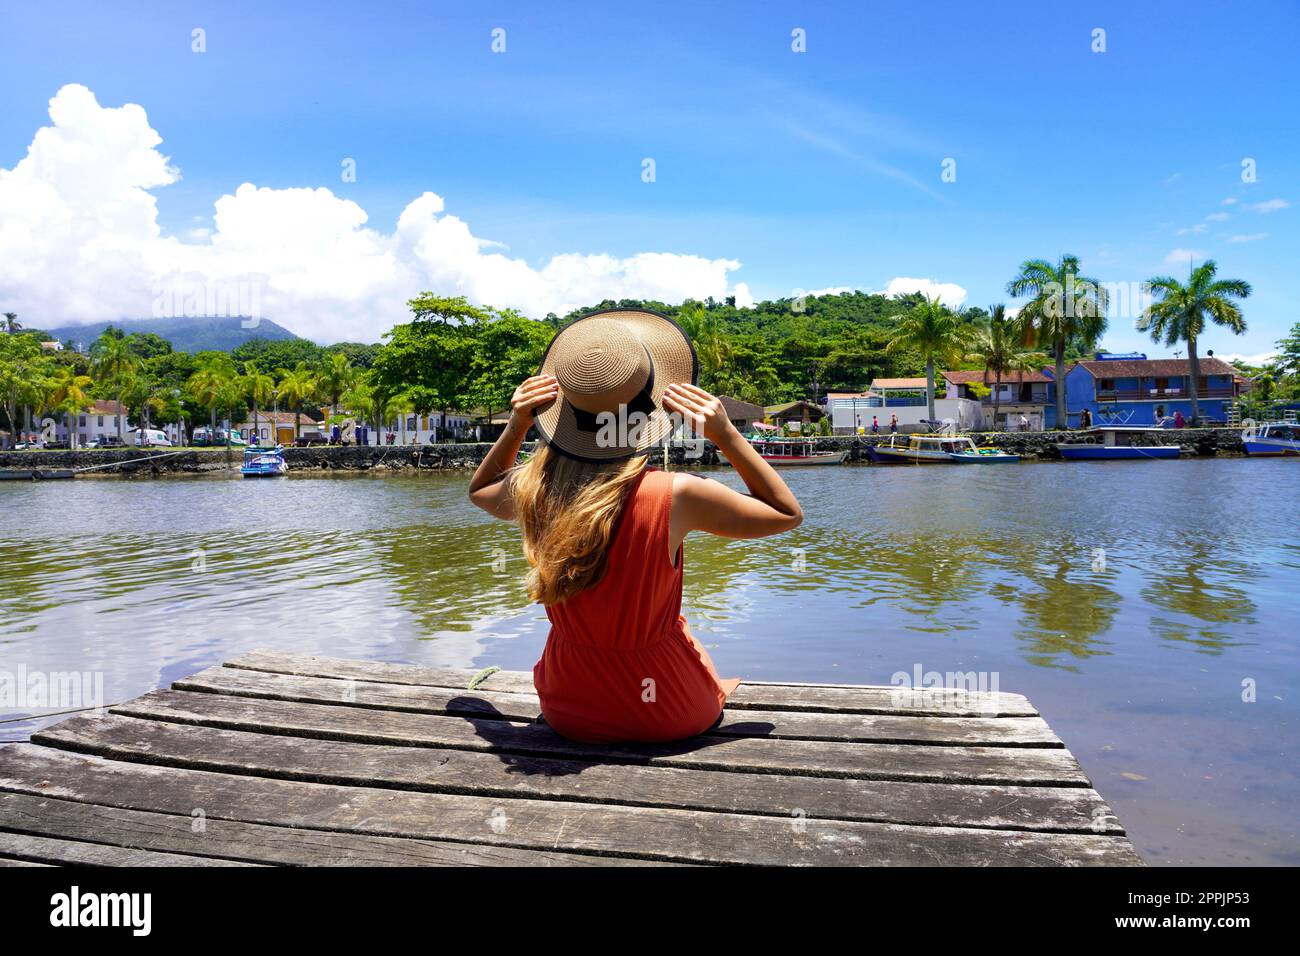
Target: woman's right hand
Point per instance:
(702, 411)
(532, 394)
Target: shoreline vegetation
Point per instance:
(455, 357)
(466, 456)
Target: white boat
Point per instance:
(922, 449)
(780, 451)
(1271, 439)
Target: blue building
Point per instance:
(1140, 391)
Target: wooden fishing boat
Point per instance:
(1118, 442)
(921, 449)
(785, 451)
(1271, 439)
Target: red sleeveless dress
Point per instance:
(620, 663)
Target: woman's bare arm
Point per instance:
(707, 505)
(486, 489)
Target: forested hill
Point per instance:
(186, 334)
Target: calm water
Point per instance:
(1136, 656)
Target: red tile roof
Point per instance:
(1155, 368)
(899, 383)
(990, 378)
(105, 407)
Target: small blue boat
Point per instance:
(1118, 443)
(1272, 439)
(264, 462)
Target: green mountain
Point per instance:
(186, 334)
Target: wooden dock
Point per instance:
(287, 759)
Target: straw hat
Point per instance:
(616, 361)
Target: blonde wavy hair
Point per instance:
(567, 510)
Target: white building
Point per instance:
(98, 421)
(849, 414)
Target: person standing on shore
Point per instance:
(875, 425)
(603, 533)
(893, 423)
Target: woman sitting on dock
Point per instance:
(603, 532)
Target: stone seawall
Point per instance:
(1199, 442)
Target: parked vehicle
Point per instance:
(207, 437)
(149, 437)
(107, 441)
(311, 436)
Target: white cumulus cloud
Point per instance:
(949, 293)
(80, 240)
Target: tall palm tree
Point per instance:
(1180, 312)
(12, 324)
(1064, 306)
(209, 385)
(1000, 348)
(69, 393)
(712, 347)
(334, 376)
(113, 364)
(295, 388)
(259, 388)
(936, 333)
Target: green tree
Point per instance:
(69, 393)
(507, 349)
(23, 373)
(430, 360)
(297, 388)
(258, 387)
(1288, 357)
(12, 325)
(935, 333)
(1180, 313)
(712, 346)
(1063, 307)
(113, 365)
(334, 376)
(210, 384)
(1000, 348)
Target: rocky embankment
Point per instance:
(1195, 442)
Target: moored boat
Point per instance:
(264, 462)
(922, 449)
(983, 456)
(779, 451)
(1271, 439)
(1118, 442)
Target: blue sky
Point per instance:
(811, 170)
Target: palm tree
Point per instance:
(712, 348)
(1065, 306)
(935, 332)
(12, 324)
(68, 393)
(297, 387)
(1179, 313)
(113, 363)
(1000, 349)
(334, 377)
(259, 388)
(209, 385)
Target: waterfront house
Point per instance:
(1024, 394)
(275, 427)
(1140, 391)
(741, 414)
(798, 413)
(99, 420)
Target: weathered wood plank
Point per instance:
(50, 850)
(991, 765)
(249, 842)
(797, 697)
(9, 861)
(512, 705)
(672, 835)
(1061, 809)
